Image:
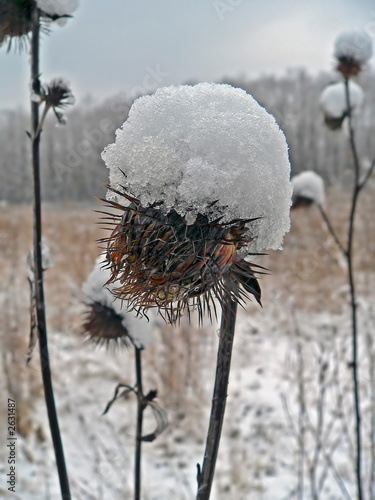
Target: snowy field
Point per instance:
(289, 420)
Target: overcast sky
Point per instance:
(123, 45)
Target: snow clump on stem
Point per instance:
(58, 10)
(334, 105)
(352, 50)
(308, 188)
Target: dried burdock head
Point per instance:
(104, 326)
(158, 260)
(15, 21)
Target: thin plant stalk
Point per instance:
(353, 300)
(224, 355)
(140, 409)
(38, 270)
(347, 252)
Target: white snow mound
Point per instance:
(190, 146)
(354, 44)
(309, 185)
(140, 330)
(333, 98)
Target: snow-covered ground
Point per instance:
(289, 399)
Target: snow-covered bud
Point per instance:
(16, 17)
(201, 175)
(334, 104)
(107, 320)
(308, 188)
(352, 50)
(58, 10)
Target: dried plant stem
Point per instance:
(38, 271)
(348, 254)
(140, 408)
(228, 321)
(349, 257)
(331, 229)
(302, 412)
(371, 354)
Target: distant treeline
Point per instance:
(72, 168)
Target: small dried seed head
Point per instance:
(103, 326)
(158, 260)
(348, 66)
(334, 123)
(352, 50)
(301, 201)
(57, 94)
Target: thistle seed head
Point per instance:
(103, 326)
(158, 260)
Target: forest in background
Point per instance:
(71, 164)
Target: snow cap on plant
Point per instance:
(16, 17)
(58, 10)
(334, 105)
(107, 320)
(201, 175)
(308, 188)
(352, 50)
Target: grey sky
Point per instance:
(120, 45)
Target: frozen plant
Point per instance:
(16, 23)
(55, 95)
(201, 175)
(24, 21)
(339, 101)
(352, 50)
(108, 319)
(334, 104)
(58, 10)
(308, 188)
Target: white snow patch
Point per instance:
(354, 44)
(333, 98)
(309, 185)
(192, 146)
(94, 289)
